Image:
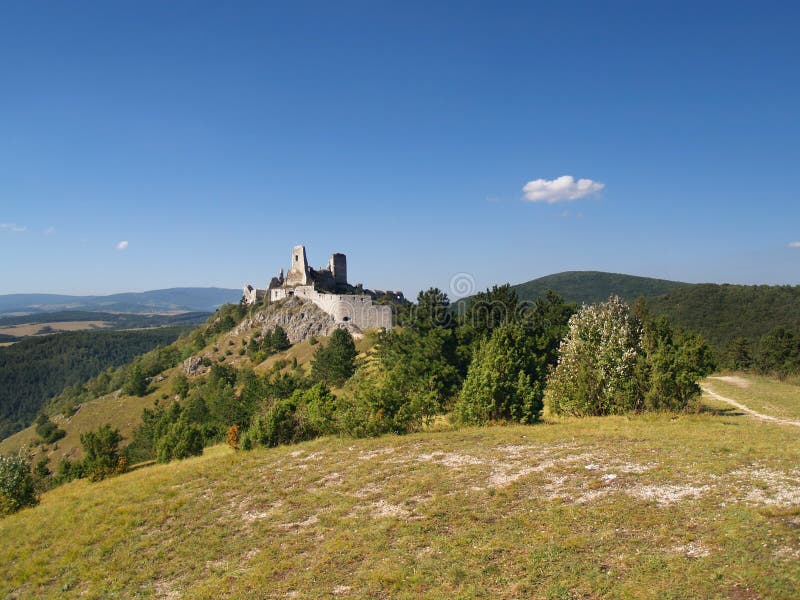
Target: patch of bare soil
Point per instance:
(739, 382)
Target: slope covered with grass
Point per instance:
(34, 370)
(704, 505)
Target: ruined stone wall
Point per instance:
(338, 267)
(298, 271)
(358, 310)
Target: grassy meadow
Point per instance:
(703, 505)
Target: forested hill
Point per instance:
(720, 312)
(34, 370)
(587, 287)
(172, 299)
(723, 312)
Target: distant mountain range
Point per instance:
(155, 301)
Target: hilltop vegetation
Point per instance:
(727, 316)
(588, 287)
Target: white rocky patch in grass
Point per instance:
(370, 489)
(340, 589)
(450, 459)
(773, 488)
(667, 494)
(506, 476)
(787, 552)
(382, 508)
(693, 550)
(370, 454)
(332, 479)
(312, 520)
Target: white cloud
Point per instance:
(122, 245)
(560, 189)
(794, 244)
(50, 231)
(13, 227)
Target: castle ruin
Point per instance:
(329, 290)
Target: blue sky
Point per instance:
(212, 137)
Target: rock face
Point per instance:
(192, 365)
(300, 319)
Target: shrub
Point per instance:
(304, 415)
(180, 385)
(67, 470)
(505, 379)
(181, 440)
(17, 485)
(101, 449)
(47, 430)
(232, 437)
(279, 425)
(595, 372)
(610, 363)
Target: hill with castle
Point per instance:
(328, 288)
(300, 444)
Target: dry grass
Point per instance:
(653, 506)
(764, 395)
(118, 410)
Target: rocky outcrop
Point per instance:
(300, 319)
(192, 365)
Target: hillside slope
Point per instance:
(302, 321)
(722, 312)
(649, 507)
(34, 370)
(587, 287)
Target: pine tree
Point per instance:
(279, 341)
(334, 363)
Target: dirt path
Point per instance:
(707, 389)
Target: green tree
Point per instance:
(136, 383)
(334, 363)
(279, 341)
(779, 352)
(671, 367)
(486, 311)
(180, 385)
(431, 311)
(505, 379)
(101, 451)
(17, 484)
(739, 354)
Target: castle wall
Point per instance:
(358, 310)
